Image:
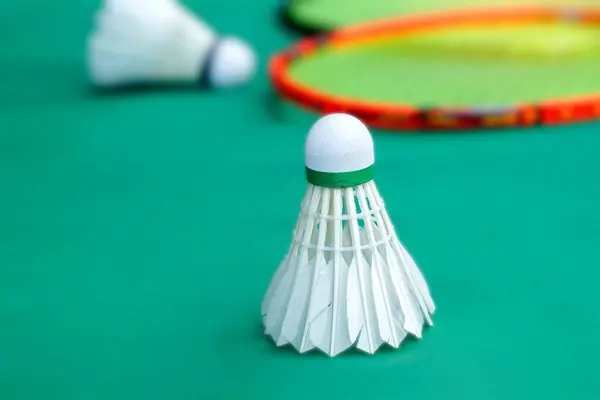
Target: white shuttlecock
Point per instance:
(346, 280)
(160, 41)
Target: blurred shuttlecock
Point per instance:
(346, 280)
(160, 41)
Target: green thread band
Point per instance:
(338, 180)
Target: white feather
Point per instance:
(276, 283)
(293, 301)
(283, 269)
(386, 304)
(329, 329)
(279, 296)
(356, 313)
(409, 302)
(319, 264)
(160, 41)
(297, 309)
(369, 338)
(419, 280)
(329, 323)
(415, 276)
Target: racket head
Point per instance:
(287, 15)
(310, 17)
(409, 115)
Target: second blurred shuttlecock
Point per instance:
(346, 280)
(160, 41)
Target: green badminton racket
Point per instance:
(318, 16)
(487, 68)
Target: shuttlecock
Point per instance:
(160, 41)
(346, 280)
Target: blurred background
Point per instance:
(139, 231)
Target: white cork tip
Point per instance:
(339, 143)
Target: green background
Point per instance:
(139, 232)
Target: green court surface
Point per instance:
(330, 14)
(469, 66)
(139, 232)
